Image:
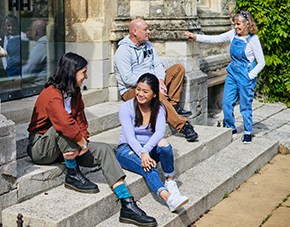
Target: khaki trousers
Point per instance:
(48, 148)
(174, 82)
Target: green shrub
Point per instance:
(273, 20)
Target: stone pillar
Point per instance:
(8, 172)
(88, 30)
(214, 17)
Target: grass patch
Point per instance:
(279, 205)
(266, 219)
(226, 195)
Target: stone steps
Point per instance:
(35, 184)
(34, 179)
(208, 182)
(20, 110)
(202, 183)
(61, 207)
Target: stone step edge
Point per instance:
(20, 110)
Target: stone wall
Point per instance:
(8, 165)
(214, 17)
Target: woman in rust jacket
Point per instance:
(58, 131)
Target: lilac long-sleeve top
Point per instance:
(135, 136)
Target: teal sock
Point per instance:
(122, 192)
(70, 163)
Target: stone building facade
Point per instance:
(94, 27)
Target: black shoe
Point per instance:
(130, 213)
(181, 111)
(76, 180)
(247, 138)
(189, 132)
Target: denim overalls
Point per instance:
(239, 85)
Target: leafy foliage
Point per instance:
(272, 19)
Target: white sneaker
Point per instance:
(175, 202)
(172, 187)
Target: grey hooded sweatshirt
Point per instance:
(132, 61)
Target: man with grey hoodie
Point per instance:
(135, 56)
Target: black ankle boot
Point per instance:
(76, 180)
(132, 214)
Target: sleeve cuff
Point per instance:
(251, 76)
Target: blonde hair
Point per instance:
(247, 17)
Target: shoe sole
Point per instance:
(192, 139)
(180, 205)
(131, 221)
(247, 142)
(90, 191)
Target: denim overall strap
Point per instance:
(239, 85)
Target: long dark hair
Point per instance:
(64, 77)
(153, 83)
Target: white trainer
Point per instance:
(175, 202)
(172, 187)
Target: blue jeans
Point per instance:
(129, 160)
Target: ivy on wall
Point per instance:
(273, 20)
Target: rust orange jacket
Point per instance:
(49, 111)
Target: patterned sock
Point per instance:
(122, 192)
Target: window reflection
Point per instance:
(32, 41)
(34, 71)
(12, 44)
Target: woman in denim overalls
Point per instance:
(247, 60)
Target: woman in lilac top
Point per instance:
(142, 143)
(247, 60)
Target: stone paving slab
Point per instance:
(254, 200)
(279, 218)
